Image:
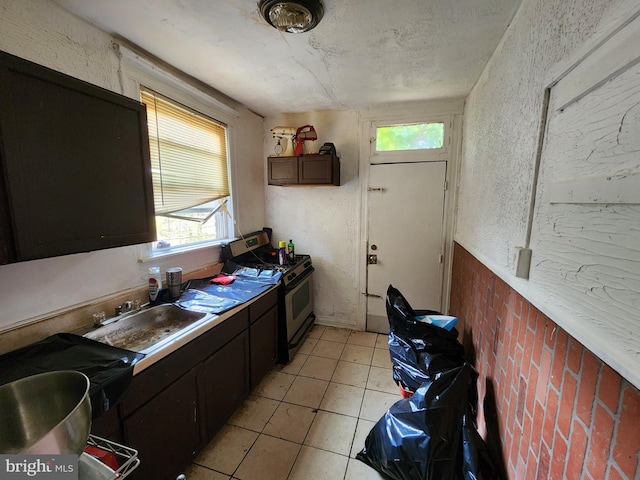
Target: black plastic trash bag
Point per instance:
(477, 463)
(110, 369)
(421, 437)
(418, 350)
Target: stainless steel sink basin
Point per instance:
(147, 329)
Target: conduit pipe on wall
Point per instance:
(523, 259)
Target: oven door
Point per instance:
(298, 301)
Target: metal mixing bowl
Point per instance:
(48, 413)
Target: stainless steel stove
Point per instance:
(253, 254)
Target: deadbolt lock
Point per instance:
(372, 259)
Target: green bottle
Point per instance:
(291, 254)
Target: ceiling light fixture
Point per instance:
(293, 17)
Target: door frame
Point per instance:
(451, 113)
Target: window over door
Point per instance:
(417, 136)
(190, 167)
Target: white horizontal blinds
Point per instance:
(188, 155)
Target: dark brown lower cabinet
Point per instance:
(108, 426)
(175, 407)
(264, 345)
(225, 383)
(165, 431)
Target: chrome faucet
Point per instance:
(128, 306)
(98, 319)
(124, 308)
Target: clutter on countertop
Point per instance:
(291, 251)
(174, 282)
(282, 252)
(47, 413)
(155, 285)
(109, 369)
(222, 279)
(227, 290)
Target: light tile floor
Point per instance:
(308, 419)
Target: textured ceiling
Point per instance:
(363, 52)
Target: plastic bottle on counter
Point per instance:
(282, 252)
(291, 251)
(155, 285)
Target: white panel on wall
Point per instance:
(586, 237)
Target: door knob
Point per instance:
(372, 259)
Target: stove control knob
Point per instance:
(291, 276)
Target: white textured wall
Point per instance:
(43, 33)
(501, 126)
(502, 118)
(323, 222)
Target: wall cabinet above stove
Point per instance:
(311, 169)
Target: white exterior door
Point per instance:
(405, 237)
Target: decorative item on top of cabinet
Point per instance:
(310, 169)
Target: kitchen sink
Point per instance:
(147, 329)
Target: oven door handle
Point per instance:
(298, 280)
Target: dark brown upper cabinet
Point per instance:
(311, 169)
(75, 171)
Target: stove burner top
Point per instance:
(254, 251)
(254, 255)
(266, 261)
(289, 271)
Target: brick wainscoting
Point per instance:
(561, 412)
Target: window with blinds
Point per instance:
(189, 164)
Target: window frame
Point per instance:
(136, 71)
(405, 126)
(220, 130)
(198, 143)
(416, 155)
